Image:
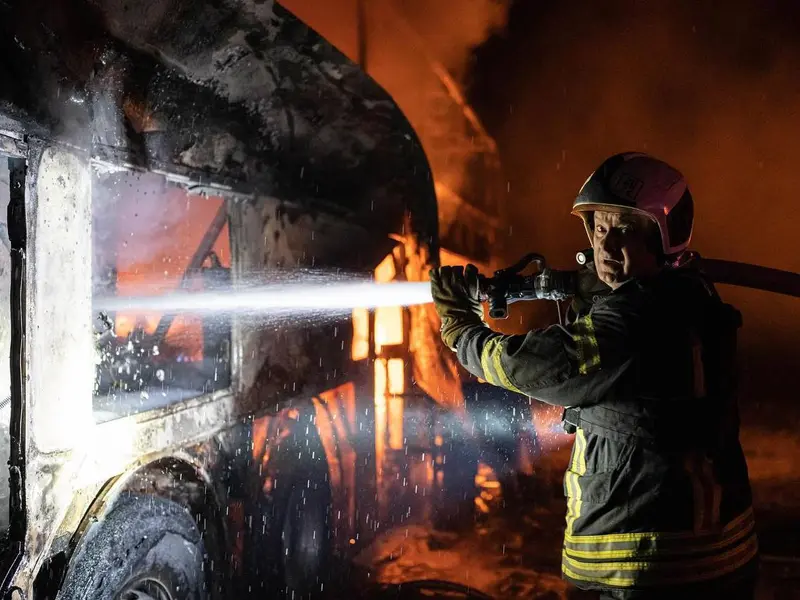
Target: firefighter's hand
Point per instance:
(455, 295)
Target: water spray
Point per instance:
(283, 298)
(319, 293)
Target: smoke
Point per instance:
(128, 211)
(145, 231)
(450, 29)
(715, 97)
(713, 91)
(420, 51)
(453, 28)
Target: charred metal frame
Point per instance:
(96, 89)
(209, 238)
(16, 151)
(156, 435)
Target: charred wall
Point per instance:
(237, 93)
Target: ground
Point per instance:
(513, 552)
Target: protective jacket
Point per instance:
(657, 487)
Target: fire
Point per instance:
(145, 272)
(389, 372)
(360, 348)
(419, 51)
(396, 369)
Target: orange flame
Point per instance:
(162, 271)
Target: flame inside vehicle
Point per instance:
(145, 268)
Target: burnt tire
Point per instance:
(294, 546)
(306, 537)
(145, 548)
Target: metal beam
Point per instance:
(205, 246)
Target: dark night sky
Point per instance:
(713, 90)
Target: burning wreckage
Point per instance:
(197, 145)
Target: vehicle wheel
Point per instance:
(293, 549)
(306, 536)
(146, 548)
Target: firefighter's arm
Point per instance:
(569, 365)
(455, 295)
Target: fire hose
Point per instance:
(509, 285)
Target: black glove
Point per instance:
(455, 295)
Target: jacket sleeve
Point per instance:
(570, 365)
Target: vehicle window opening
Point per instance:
(151, 238)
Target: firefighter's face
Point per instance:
(622, 248)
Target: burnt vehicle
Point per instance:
(195, 146)
(471, 190)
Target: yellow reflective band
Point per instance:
(581, 439)
(570, 500)
(587, 346)
(501, 372)
(580, 459)
(486, 360)
(598, 540)
(664, 550)
(615, 581)
(577, 456)
(659, 571)
(577, 468)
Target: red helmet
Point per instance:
(638, 183)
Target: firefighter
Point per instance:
(658, 495)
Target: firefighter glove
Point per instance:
(455, 295)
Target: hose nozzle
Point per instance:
(509, 285)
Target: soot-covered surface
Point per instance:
(239, 94)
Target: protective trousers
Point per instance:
(739, 589)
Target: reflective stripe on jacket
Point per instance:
(657, 489)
